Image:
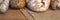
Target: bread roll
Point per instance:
(55, 4)
(38, 5)
(4, 4)
(17, 3)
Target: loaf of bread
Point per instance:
(17, 3)
(55, 4)
(4, 4)
(38, 5)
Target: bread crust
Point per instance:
(4, 6)
(38, 5)
(55, 4)
(17, 3)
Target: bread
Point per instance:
(4, 4)
(38, 5)
(17, 3)
(55, 4)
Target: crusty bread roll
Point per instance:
(17, 3)
(38, 5)
(4, 4)
(55, 4)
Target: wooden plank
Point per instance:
(27, 14)
(12, 14)
(30, 14)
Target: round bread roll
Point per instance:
(38, 5)
(17, 3)
(4, 5)
(55, 4)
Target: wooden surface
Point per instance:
(48, 15)
(12, 14)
